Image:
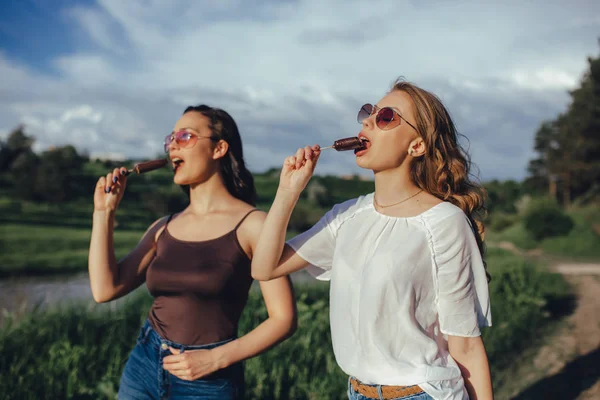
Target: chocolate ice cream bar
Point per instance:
(147, 166)
(350, 143)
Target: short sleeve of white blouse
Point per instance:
(398, 287)
(318, 244)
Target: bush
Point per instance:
(78, 352)
(582, 243)
(304, 216)
(516, 234)
(544, 219)
(500, 221)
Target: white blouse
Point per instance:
(398, 287)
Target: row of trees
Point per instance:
(568, 147)
(567, 166)
(44, 177)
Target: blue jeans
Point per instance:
(353, 395)
(145, 378)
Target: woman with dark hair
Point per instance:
(409, 288)
(196, 265)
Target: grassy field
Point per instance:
(32, 249)
(582, 243)
(78, 352)
(38, 249)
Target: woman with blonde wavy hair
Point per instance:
(409, 288)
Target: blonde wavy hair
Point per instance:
(444, 169)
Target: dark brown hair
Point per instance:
(236, 177)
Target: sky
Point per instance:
(112, 77)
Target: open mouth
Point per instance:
(177, 163)
(365, 145)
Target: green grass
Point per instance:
(525, 297)
(38, 249)
(516, 234)
(78, 352)
(41, 250)
(582, 243)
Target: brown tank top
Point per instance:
(199, 288)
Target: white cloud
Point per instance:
(99, 26)
(545, 78)
(293, 73)
(84, 112)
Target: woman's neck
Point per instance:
(209, 195)
(393, 185)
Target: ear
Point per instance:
(416, 148)
(220, 149)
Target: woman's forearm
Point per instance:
(102, 261)
(262, 338)
(470, 355)
(269, 246)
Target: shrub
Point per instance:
(500, 221)
(78, 352)
(544, 218)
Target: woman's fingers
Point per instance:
(116, 176)
(299, 157)
(108, 185)
(113, 179)
(101, 182)
(290, 162)
(308, 153)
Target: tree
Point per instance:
(16, 143)
(18, 163)
(569, 146)
(57, 174)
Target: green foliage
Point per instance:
(35, 249)
(57, 177)
(516, 234)
(583, 241)
(338, 190)
(79, 351)
(502, 196)
(304, 216)
(521, 293)
(544, 219)
(569, 146)
(499, 221)
(16, 144)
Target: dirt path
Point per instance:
(570, 361)
(568, 365)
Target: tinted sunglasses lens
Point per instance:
(385, 118)
(185, 139)
(167, 142)
(364, 113)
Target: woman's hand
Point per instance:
(109, 190)
(191, 365)
(298, 169)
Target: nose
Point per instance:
(369, 123)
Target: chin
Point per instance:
(179, 180)
(363, 163)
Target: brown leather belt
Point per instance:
(388, 392)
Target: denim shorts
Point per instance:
(145, 378)
(353, 395)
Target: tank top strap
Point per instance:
(164, 227)
(244, 218)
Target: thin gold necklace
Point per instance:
(395, 204)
